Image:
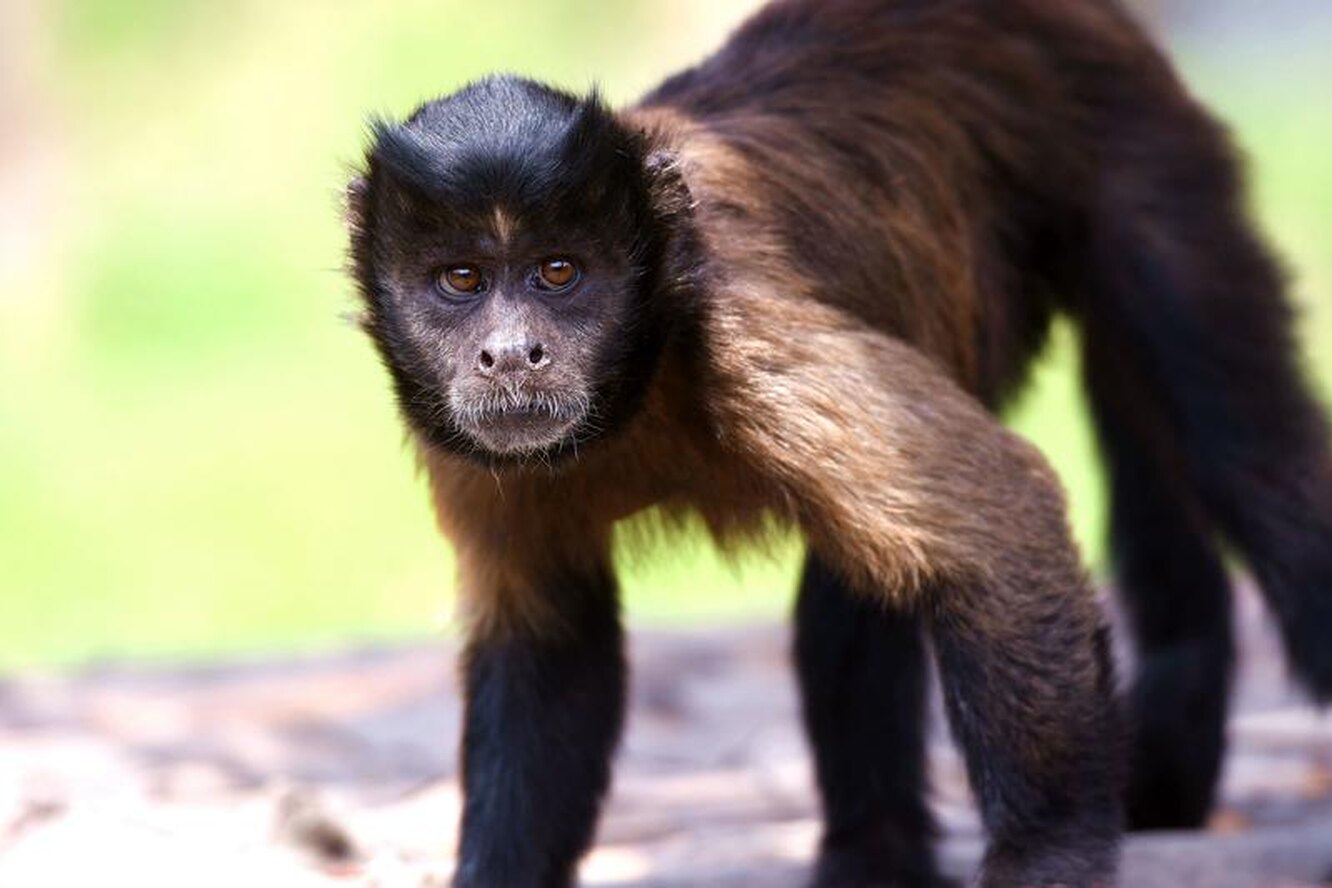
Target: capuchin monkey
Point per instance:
(794, 283)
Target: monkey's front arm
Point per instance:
(917, 493)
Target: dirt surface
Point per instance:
(341, 769)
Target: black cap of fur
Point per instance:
(516, 144)
(513, 143)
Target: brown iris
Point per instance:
(460, 280)
(556, 273)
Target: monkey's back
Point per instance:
(930, 163)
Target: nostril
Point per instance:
(487, 359)
(535, 355)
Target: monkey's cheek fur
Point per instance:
(515, 432)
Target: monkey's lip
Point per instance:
(520, 413)
(519, 428)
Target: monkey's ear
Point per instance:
(672, 206)
(669, 194)
(355, 212)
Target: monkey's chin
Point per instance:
(518, 433)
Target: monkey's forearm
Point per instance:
(543, 714)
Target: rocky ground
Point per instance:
(342, 769)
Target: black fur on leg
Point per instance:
(1194, 303)
(1176, 595)
(862, 678)
(1030, 697)
(542, 719)
(1208, 428)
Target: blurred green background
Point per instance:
(197, 454)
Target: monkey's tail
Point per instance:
(1207, 419)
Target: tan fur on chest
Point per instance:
(512, 529)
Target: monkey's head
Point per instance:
(509, 241)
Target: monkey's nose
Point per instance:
(503, 359)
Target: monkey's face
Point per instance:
(503, 241)
(505, 331)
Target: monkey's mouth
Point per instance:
(521, 426)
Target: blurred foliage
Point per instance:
(197, 454)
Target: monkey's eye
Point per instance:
(459, 280)
(556, 274)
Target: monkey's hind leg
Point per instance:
(861, 667)
(1182, 293)
(1176, 595)
(1208, 429)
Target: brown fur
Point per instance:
(882, 204)
(793, 409)
(907, 261)
(791, 390)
